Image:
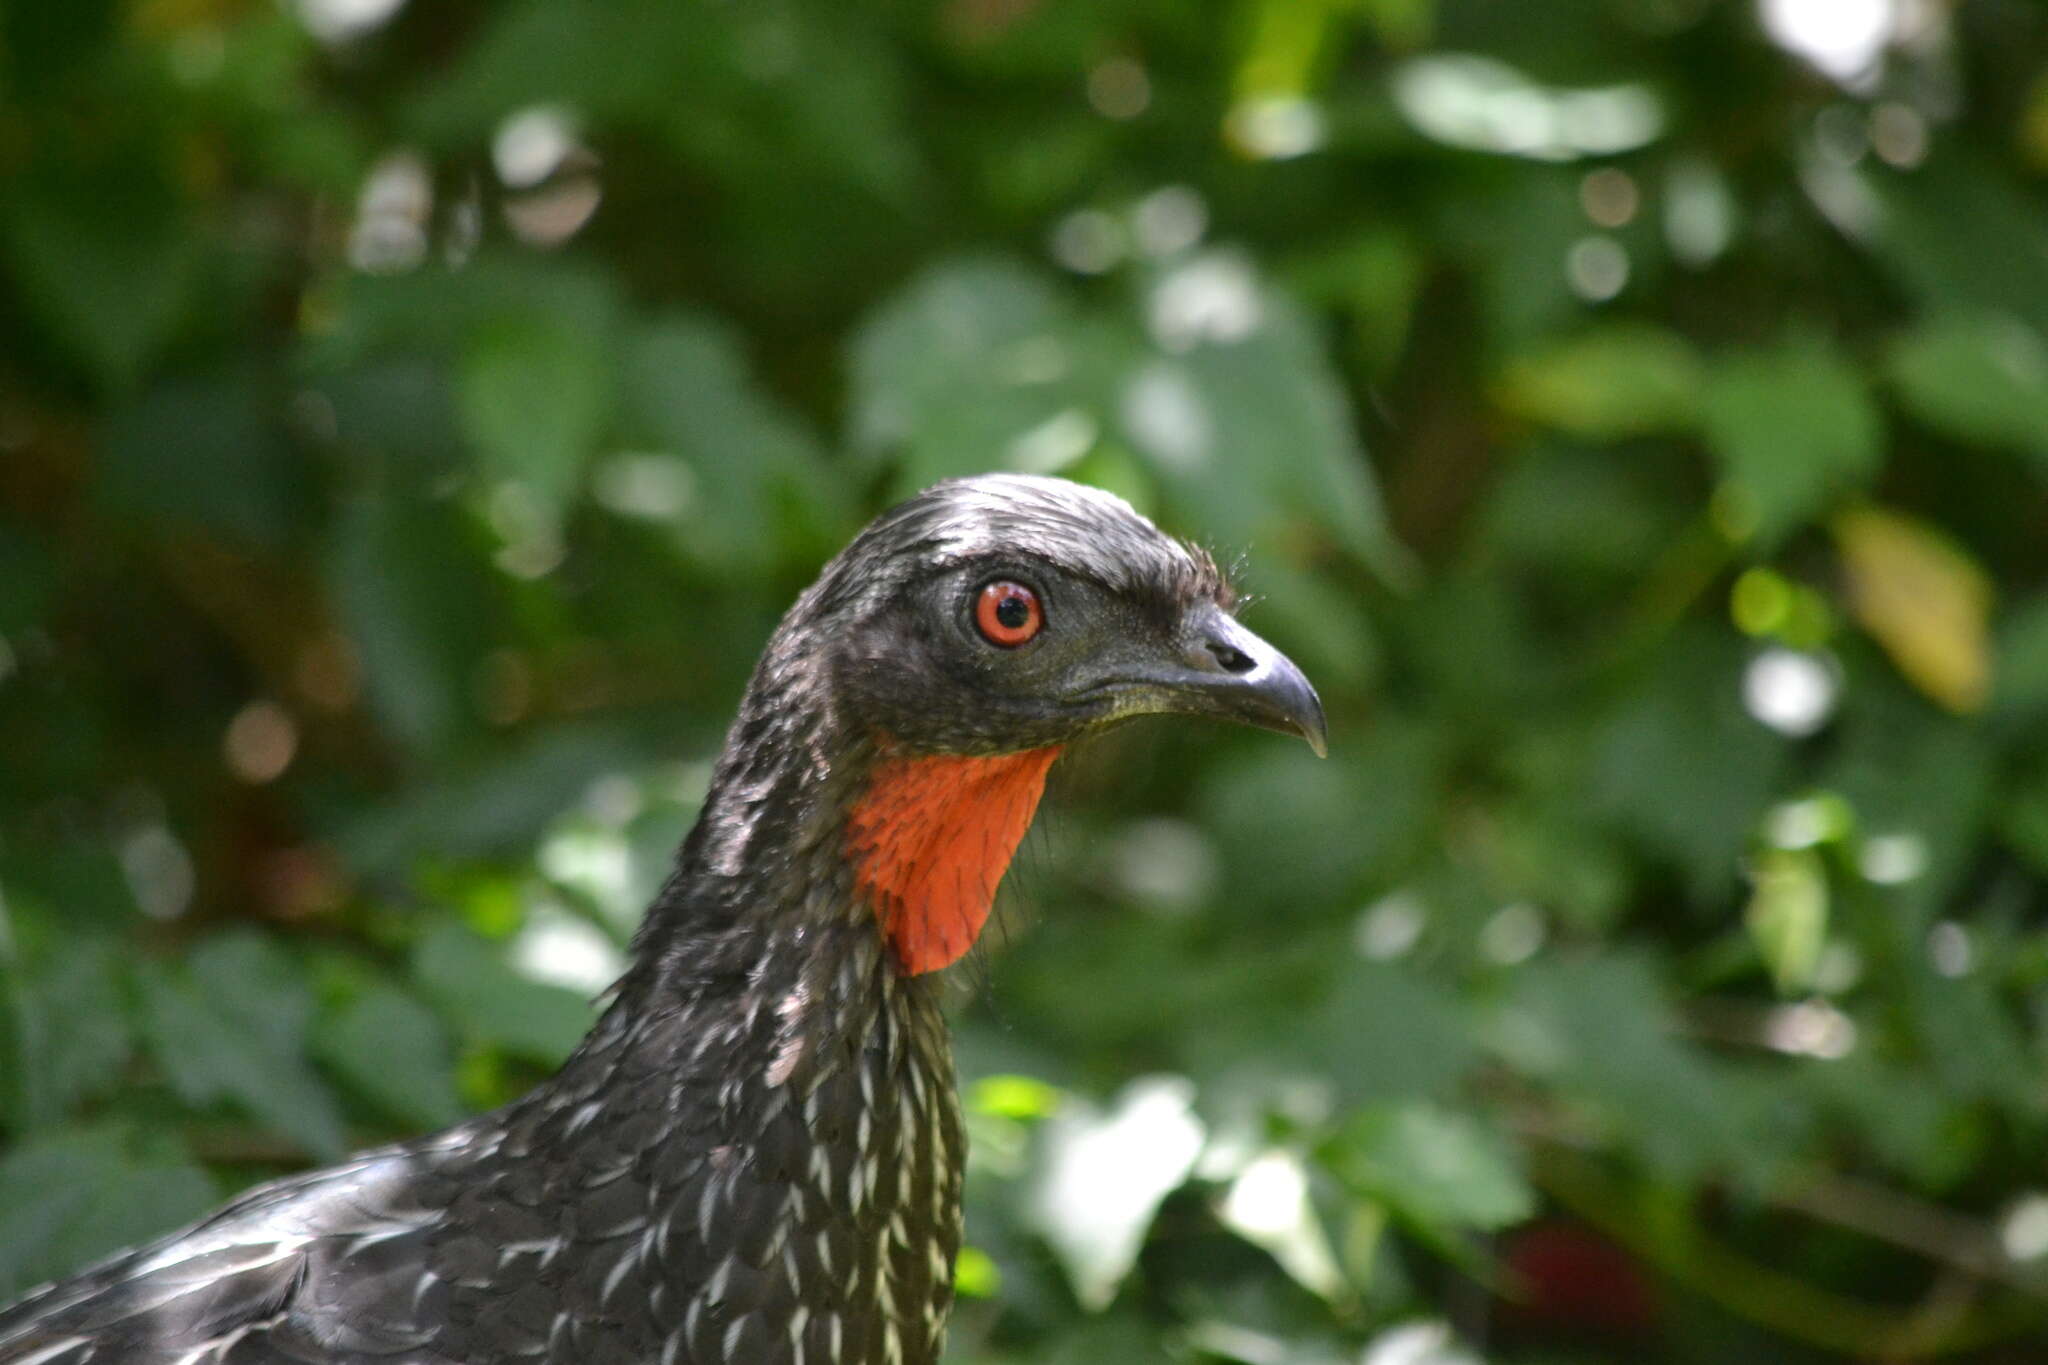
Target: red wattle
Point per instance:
(930, 840)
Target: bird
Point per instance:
(756, 1154)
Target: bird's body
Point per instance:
(756, 1154)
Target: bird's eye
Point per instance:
(1007, 613)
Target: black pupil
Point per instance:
(1013, 612)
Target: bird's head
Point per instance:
(905, 714)
(1008, 613)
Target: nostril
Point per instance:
(1233, 659)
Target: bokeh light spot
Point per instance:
(1792, 692)
(1609, 197)
(1597, 268)
(159, 872)
(1119, 88)
(260, 742)
(1390, 926)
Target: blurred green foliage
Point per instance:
(1634, 413)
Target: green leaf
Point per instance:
(2020, 681)
(967, 361)
(1374, 277)
(814, 94)
(1972, 1040)
(1254, 437)
(107, 261)
(68, 1198)
(232, 1030)
(1437, 1168)
(1788, 915)
(758, 492)
(1897, 1112)
(1297, 830)
(1389, 1034)
(1792, 428)
(255, 983)
(1683, 768)
(1906, 769)
(1598, 1029)
(201, 454)
(496, 808)
(1960, 232)
(422, 607)
(28, 578)
(1582, 520)
(396, 1051)
(470, 980)
(399, 412)
(1982, 379)
(533, 395)
(1608, 383)
(70, 1033)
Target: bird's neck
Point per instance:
(813, 821)
(775, 1062)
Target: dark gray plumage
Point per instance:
(756, 1154)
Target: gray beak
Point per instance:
(1223, 670)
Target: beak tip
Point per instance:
(1314, 729)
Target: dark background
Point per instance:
(1632, 413)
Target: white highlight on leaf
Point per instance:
(1842, 196)
(562, 950)
(1053, 444)
(1276, 127)
(1169, 220)
(1418, 1343)
(1390, 926)
(1950, 948)
(1164, 865)
(531, 144)
(338, 21)
(1811, 1028)
(1487, 105)
(1088, 242)
(531, 531)
(1268, 1205)
(1699, 211)
(2024, 1231)
(1513, 934)
(1892, 859)
(1105, 1175)
(390, 230)
(1794, 825)
(1167, 418)
(1842, 39)
(1213, 298)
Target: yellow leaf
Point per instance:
(1924, 599)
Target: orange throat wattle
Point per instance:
(930, 840)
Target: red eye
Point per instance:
(1008, 614)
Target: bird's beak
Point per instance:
(1218, 668)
